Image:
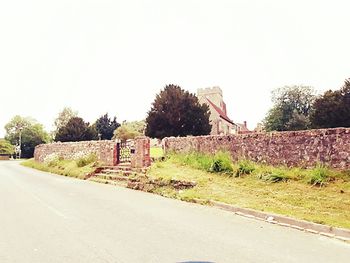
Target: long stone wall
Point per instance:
(297, 148)
(104, 150)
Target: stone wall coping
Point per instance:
(79, 142)
(329, 131)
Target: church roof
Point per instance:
(220, 111)
(242, 126)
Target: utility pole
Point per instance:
(20, 142)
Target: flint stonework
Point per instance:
(104, 150)
(295, 148)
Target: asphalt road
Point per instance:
(50, 218)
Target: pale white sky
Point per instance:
(99, 56)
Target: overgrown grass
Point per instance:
(219, 163)
(320, 175)
(222, 163)
(245, 167)
(63, 167)
(294, 192)
(86, 160)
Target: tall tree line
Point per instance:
(299, 108)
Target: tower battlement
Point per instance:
(214, 94)
(209, 91)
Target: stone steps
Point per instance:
(136, 180)
(114, 177)
(124, 172)
(120, 173)
(126, 166)
(106, 181)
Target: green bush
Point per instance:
(216, 166)
(245, 167)
(273, 176)
(318, 176)
(221, 163)
(86, 160)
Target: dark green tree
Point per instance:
(291, 109)
(105, 126)
(63, 117)
(332, 109)
(32, 134)
(176, 112)
(76, 130)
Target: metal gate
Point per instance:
(124, 151)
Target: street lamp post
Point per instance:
(20, 142)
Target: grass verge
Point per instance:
(319, 195)
(72, 168)
(156, 152)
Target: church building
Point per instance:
(221, 123)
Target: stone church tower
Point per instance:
(214, 94)
(221, 123)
